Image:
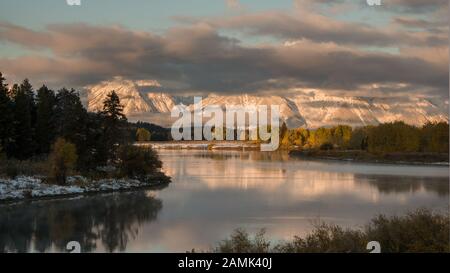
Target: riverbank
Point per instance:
(202, 145)
(366, 157)
(30, 188)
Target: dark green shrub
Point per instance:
(138, 162)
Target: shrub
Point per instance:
(138, 162)
(12, 168)
(240, 242)
(418, 231)
(62, 160)
(326, 238)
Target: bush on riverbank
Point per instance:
(138, 162)
(418, 231)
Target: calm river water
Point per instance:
(215, 192)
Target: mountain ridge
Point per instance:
(304, 109)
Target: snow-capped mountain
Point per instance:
(319, 110)
(304, 109)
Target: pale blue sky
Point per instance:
(138, 14)
(155, 16)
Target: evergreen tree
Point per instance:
(115, 123)
(94, 150)
(6, 116)
(71, 120)
(45, 123)
(24, 146)
(70, 116)
(112, 109)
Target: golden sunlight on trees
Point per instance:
(143, 135)
(380, 139)
(63, 159)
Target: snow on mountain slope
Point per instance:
(324, 110)
(132, 98)
(304, 109)
(288, 110)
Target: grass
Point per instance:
(33, 167)
(418, 231)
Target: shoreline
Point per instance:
(32, 189)
(364, 157)
(202, 145)
(415, 159)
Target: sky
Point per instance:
(231, 46)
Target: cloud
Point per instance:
(197, 58)
(416, 6)
(316, 27)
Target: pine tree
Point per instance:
(71, 120)
(112, 109)
(45, 123)
(115, 123)
(71, 116)
(24, 110)
(6, 115)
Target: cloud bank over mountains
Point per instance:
(255, 52)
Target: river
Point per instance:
(215, 192)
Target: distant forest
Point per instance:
(383, 138)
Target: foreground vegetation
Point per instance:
(51, 136)
(418, 231)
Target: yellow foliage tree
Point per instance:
(143, 135)
(62, 160)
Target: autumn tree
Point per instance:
(435, 137)
(143, 135)
(63, 159)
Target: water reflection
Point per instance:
(214, 192)
(105, 222)
(397, 184)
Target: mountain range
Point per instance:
(311, 109)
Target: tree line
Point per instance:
(32, 121)
(433, 137)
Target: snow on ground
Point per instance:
(199, 145)
(30, 187)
